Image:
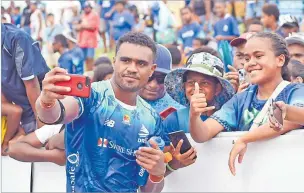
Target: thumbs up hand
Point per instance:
(198, 103)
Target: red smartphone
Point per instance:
(176, 136)
(165, 113)
(80, 86)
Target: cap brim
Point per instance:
(238, 41)
(294, 40)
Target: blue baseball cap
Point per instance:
(163, 59)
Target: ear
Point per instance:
(281, 60)
(153, 67)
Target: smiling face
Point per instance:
(155, 88)
(210, 86)
(261, 64)
(133, 65)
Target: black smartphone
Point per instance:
(276, 115)
(176, 136)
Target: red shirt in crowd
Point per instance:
(88, 38)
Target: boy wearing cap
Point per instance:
(295, 44)
(204, 73)
(88, 32)
(154, 91)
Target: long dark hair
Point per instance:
(101, 71)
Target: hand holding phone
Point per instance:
(175, 138)
(80, 86)
(275, 116)
(57, 83)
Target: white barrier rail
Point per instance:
(275, 165)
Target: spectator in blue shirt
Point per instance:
(22, 71)
(227, 27)
(105, 7)
(123, 20)
(16, 16)
(154, 91)
(65, 61)
(76, 52)
(190, 29)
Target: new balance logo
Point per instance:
(109, 123)
(102, 142)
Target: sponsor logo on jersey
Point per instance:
(105, 143)
(73, 163)
(143, 134)
(102, 142)
(109, 123)
(126, 119)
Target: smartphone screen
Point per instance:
(175, 137)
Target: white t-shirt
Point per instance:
(47, 131)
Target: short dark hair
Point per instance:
(203, 41)
(255, 21)
(137, 38)
(279, 46)
(102, 60)
(187, 7)
(297, 68)
(50, 15)
(61, 39)
(176, 55)
(271, 9)
(101, 71)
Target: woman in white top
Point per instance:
(36, 22)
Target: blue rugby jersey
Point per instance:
(101, 142)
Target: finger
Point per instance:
(199, 96)
(153, 144)
(149, 150)
(179, 146)
(187, 154)
(244, 85)
(241, 155)
(57, 78)
(192, 156)
(56, 89)
(233, 76)
(234, 82)
(196, 88)
(146, 155)
(57, 70)
(231, 161)
(146, 160)
(200, 105)
(143, 164)
(205, 109)
(232, 69)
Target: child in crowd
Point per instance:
(227, 27)
(102, 72)
(297, 71)
(205, 69)
(270, 18)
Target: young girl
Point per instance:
(266, 55)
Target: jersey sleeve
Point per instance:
(235, 27)
(296, 98)
(28, 59)
(227, 115)
(170, 124)
(95, 99)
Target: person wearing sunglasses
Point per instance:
(154, 92)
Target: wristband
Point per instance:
(61, 117)
(156, 179)
(170, 168)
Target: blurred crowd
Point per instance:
(218, 65)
